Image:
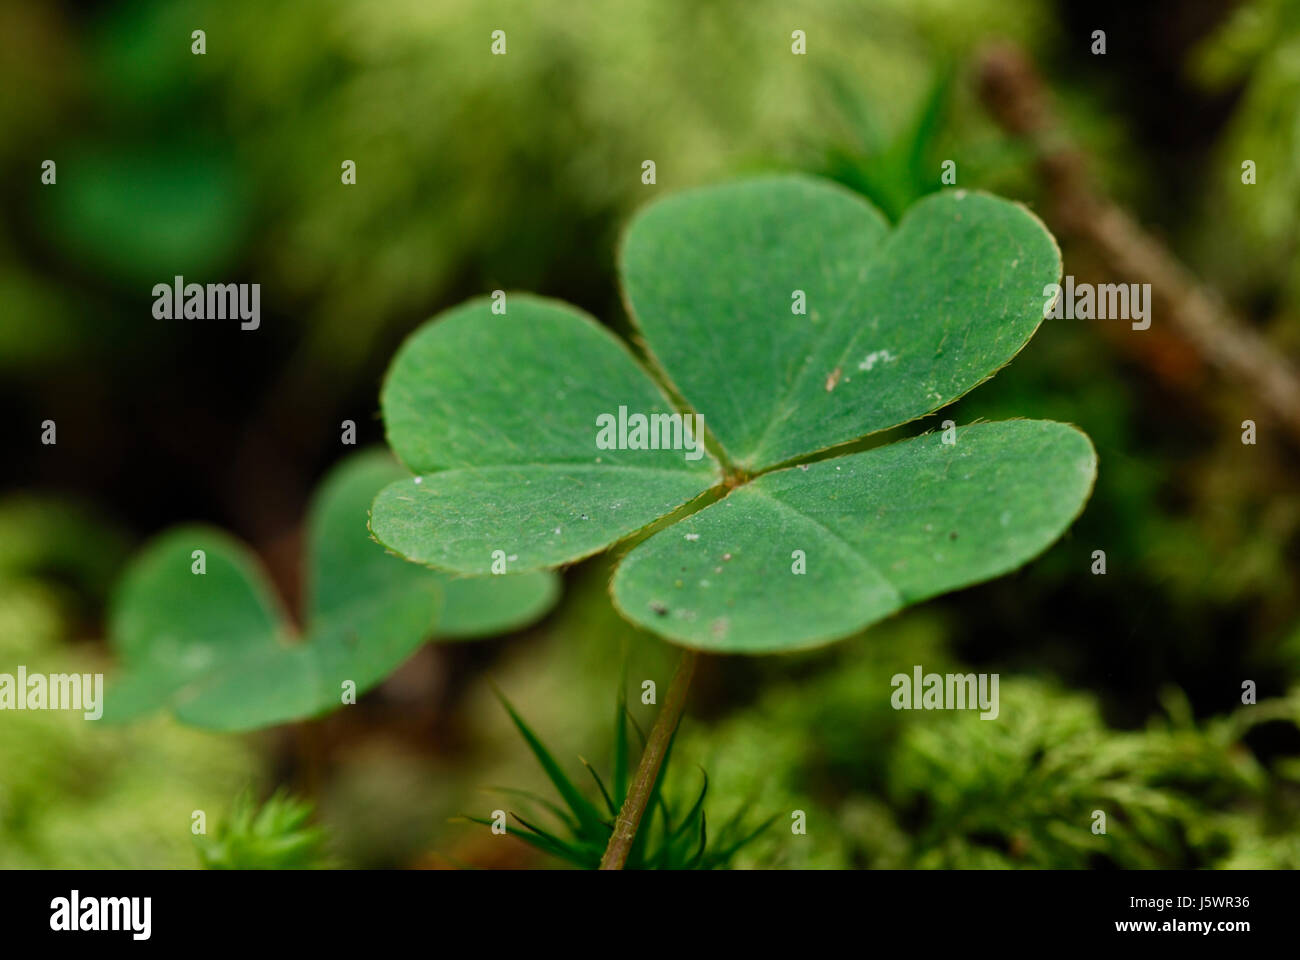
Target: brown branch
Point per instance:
(1016, 97)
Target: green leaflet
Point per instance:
(497, 415)
(220, 652)
(898, 324)
(872, 531)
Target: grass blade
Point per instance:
(621, 761)
(554, 808)
(720, 857)
(540, 840)
(640, 734)
(609, 801)
(704, 839)
(697, 807)
(582, 808)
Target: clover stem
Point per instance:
(647, 771)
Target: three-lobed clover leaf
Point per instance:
(217, 648)
(787, 312)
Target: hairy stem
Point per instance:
(647, 771)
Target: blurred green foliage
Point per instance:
(476, 172)
(473, 171)
(274, 835)
(73, 793)
(1247, 235)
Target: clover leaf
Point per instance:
(789, 314)
(205, 635)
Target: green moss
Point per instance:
(947, 789)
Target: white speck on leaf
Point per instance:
(692, 536)
(875, 357)
(419, 479)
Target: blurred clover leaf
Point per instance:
(218, 649)
(497, 417)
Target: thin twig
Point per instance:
(1016, 97)
(647, 771)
